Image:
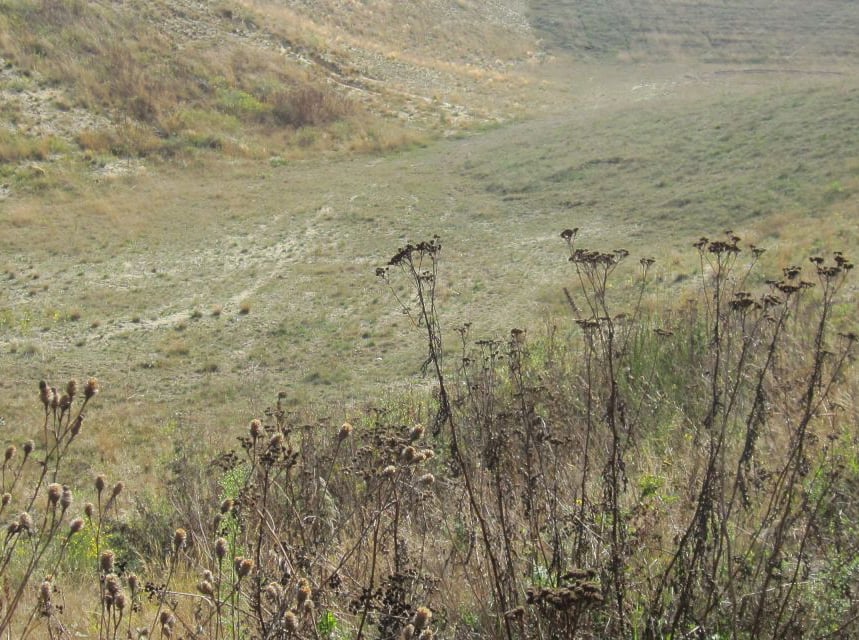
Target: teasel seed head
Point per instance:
(290, 622)
(72, 388)
(55, 491)
(25, 522)
(100, 481)
(11, 450)
(66, 498)
(75, 526)
(421, 618)
(91, 388)
(255, 428)
(28, 447)
(180, 538)
(106, 561)
(345, 431)
(416, 433)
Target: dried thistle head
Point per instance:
(6, 499)
(106, 561)
(45, 394)
(408, 632)
(221, 548)
(55, 492)
(416, 433)
(290, 622)
(180, 538)
(389, 471)
(117, 489)
(28, 447)
(255, 428)
(100, 481)
(91, 388)
(226, 506)
(75, 526)
(421, 618)
(11, 450)
(345, 431)
(66, 497)
(205, 587)
(303, 592)
(72, 388)
(89, 510)
(25, 522)
(426, 479)
(242, 566)
(133, 583)
(46, 591)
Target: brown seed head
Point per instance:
(76, 525)
(45, 591)
(167, 619)
(408, 632)
(75, 429)
(303, 592)
(389, 471)
(205, 587)
(426, 479)
(72, 388)
(416, 433)
(408, 454)
(226, 506)
(180, 537)
(276, 441)
(290, 622)
(6, 499)
(28, 447)
(117, 489)
(106, 561)
(25, 522)
(133, 583)
(89, 510)
(66, 498)
(100, 482)
(111, 584)
(220, 548)
(55, 491)
(65, 402)
(12, 528)
(255, 428)
(274, 591)
(55, 398)
(428, 454)
(421, 618)
(45, 394)
(120, 600)
(345, 431)
(11, 450)
(426, 634)
(244, 568)
(91, 388)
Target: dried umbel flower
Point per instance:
(100, 481)
(345, 431)
(255, 428)
(91, 388)
(11, 450)
(416, 433)
(220, 548)
(180, 538)
(55, 491)
(28, 447)
(75, 526)
(290, 622)
(421, 618)
(106, 561)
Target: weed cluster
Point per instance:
(685, 475)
